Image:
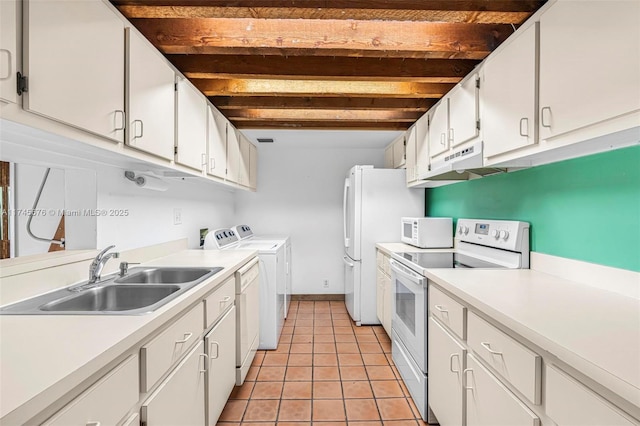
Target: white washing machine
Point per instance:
(245, 233)
(271, 256)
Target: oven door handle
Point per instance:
(400, 269)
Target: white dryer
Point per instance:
(272, 280)
(245, 233)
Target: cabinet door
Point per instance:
(388, 303)
(233, 154)
(179, 400)
(576, 90)
(422, 145)
(74, 59)
(410, 154)
(380, 295)
(485, 394)
(253, 167)
(220, 345)
(399, 152)
(438, 128)
(508, 96)
(151, 99)
(463, 112)
(388, 157)
(446, 366)
(244, 160)
(191, 111)
(8, 50)
(217, 140)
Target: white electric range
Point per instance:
(479, 243)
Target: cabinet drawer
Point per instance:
(218, 301)
(447, 311)
(510, 359)
(165, 349)
(489, 403)
(106, 402)
(570, 403)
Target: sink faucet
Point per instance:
(98, 263)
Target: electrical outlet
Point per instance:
(325, 284)
(177, 216)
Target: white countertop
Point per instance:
(402, 247)
(595, 331)
(43, 357)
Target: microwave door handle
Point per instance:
(345, 219)
(401, 270)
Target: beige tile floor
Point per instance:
(326, 371)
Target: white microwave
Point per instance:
(427, 232)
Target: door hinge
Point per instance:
(22, 83)
(175, 87)
(477, 83)
(478, 124)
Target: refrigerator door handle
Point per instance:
(345, 200)
(345, 259)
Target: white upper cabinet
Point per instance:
(217, 142)
(579, 88)
(74, 60)
(151, 99)
(399, 152)
(410, 154)
(191, 112)
(245, 165)
(439, 128)
(233, 154)
(508, 97)
(8, 50)
(463, 112)
(253, 166)
(422, 145)
(388, 157)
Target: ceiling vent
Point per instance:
(265, 140)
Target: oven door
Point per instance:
(410, 311)
(406, 231)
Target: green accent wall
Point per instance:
(586, 208)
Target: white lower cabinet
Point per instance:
(571, 404)
(179, 400)
(446, 366)
(104, 403)
(490, 403)
(220, 345)
(384, 293)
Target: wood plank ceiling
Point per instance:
(326, 64)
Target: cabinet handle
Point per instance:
(122, 121)
(90, 423)
(9, 63)
(487, 346)
(206, 362)
(225, 300)
(217, 350)
(468, 370)
(451, 135)
(524, 120)
(212, 163)
(441, 308)
(187, 336)
(451, 363)
(542, 120)
(135, 136)
(443, 138)
(204, 159)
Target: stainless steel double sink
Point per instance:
(141, 291)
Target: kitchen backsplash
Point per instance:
(586, 208)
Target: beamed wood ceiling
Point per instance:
(326, 64)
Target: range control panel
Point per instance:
(243, 231)
(504, 234)
(221, 238)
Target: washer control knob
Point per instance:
(465, 229)
(495, 234)
(460, 230)
(504, 235)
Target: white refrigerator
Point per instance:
(374, 201)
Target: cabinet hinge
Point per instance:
(478, 124)
(477, 83)
(22, 83)
(175, 87)
(175, 150)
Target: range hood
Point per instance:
(462, 164)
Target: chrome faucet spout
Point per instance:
(95, 269)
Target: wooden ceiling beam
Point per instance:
(265, 102)
(322, 37)
(326, 68)
(322, 125)
(320, 88)
(322, 115)
(477, 5)
(390, 14)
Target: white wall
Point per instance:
(150, 213)
(300, 194)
